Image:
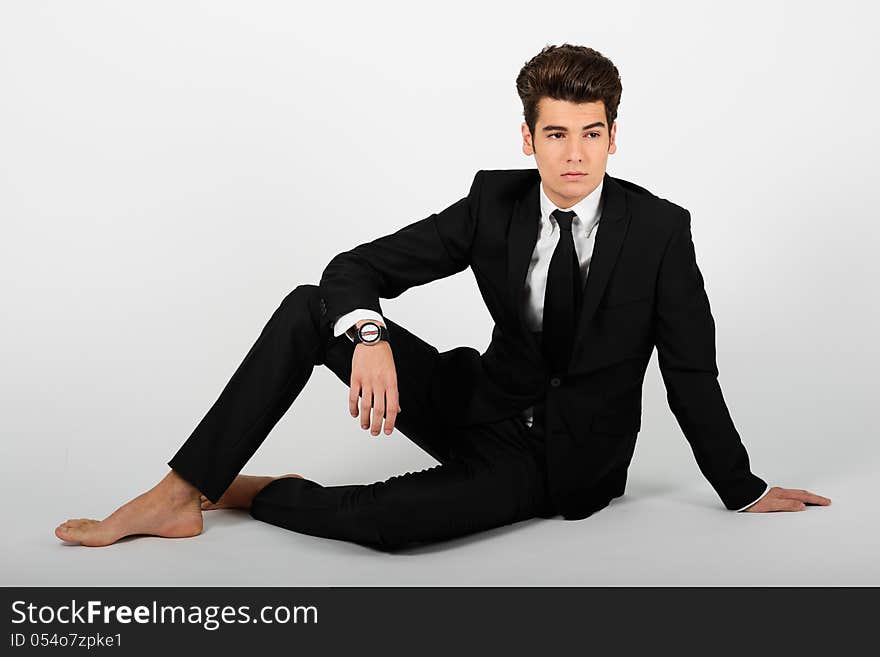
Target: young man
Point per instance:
(583, 273)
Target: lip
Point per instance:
(573, 176)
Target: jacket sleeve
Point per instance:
(685, 340)
(423, 251)
(755, 501)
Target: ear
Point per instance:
(612, 145)
(527, 147)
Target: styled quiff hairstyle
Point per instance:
(573, 73)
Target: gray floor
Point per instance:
(669, 528)
(655, 535)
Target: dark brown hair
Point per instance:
(574, 73)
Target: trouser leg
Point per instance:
(263, 387)
(272, 374)
(494, 478)
(488, 475)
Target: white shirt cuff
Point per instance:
(753, 501)
(350, 319)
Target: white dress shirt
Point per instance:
(588, 212)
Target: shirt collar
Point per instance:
(588, 209)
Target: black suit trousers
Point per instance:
(488, 475)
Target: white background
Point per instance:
(169, 171)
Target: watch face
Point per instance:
(369, 332)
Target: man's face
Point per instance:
(570, 137)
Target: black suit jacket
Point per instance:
(643, 289)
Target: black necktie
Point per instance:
(562, 298)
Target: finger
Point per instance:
(378, 412)
(353, 395)
(391, 410)
(807, 496)
(789, 505)
(366, 404)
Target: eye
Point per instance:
(595, 135)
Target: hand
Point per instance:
(374, 378)
(787, 499)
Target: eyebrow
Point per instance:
(562, 128)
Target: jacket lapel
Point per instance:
(612, 227)
(521, 239)
(523, 235)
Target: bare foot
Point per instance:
(241, 492)
(169, 509)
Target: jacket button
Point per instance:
(555, 382)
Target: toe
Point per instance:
(80, 523)
(64, 534)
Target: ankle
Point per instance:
(177, 487)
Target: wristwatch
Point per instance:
(369, 333)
